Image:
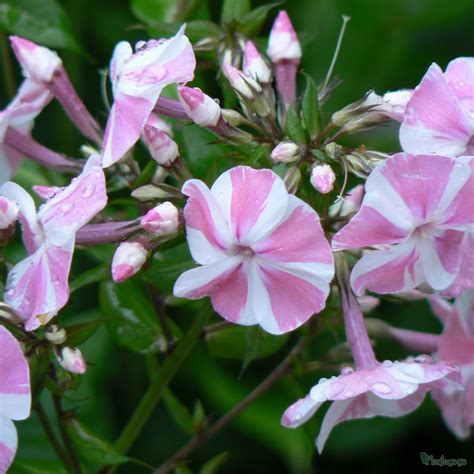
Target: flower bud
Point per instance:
(323, 178)
(55, 335)
(155, 121)
(72, 360)
(283, 43)
(395, 103)
(162, 219)
(349, 204)
(162, 147)
(38, 62)
(254, 64)
(245, 86)
(292, 179)
(201, 109)
(8, 212)
(368, 303)
(286, 152)
(128, 259)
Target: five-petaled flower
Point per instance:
(418, 210)
(264, 256)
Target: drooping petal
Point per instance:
(208, 232)
(300, 412)
(388, 271)
(15, 395)
(252, 201)
(75, 205)
(460, 77)
(434, 121)
(37, 287)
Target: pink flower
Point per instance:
(263, 255)
(161, 220)
(15, 395)
(200, 108)
(45, 68)
(128, 259)
(389, 389)
(440, 116)
(138, 79)
(465, 278)
(20, 115)
(418, 208)
(323, 178)
(37, 287)
(457, 347)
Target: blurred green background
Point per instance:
(388, 45)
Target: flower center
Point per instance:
(243, 250)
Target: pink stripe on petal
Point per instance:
(460, 77)
(299, 237)
(8, 443)
(447, 247)
(293, 300)
(391, 271)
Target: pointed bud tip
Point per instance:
(283, 43)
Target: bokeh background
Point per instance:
(388, 45)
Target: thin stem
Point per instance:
(165, 375)
(215, 327)
(205, 436)
(7, 66)
(159, 306)
(345, 20)
(74, 463)
(52, 437)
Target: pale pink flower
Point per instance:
(323, 178)
(8, 213)
(387, 389)
(128, 259)
(439, 118)
(138, 79)
(37, 287)
(254, 65)
(20, 115)
(72, 360)
(161, 220)
(163, 149)
(263, 255)
(45, 67)
(15, 395)
(200, 108)
(417, 210)
(457, 347)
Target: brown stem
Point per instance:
(159, 306)
(7, 66)
(205, 436)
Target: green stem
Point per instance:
(165, 374)
(7, 66)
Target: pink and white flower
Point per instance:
(457, 347)
(416, 211)
(439, 118)
(37, 287)
(20, 115)
(15, 395)
(138, 79)
(200, 108)
(263, 255)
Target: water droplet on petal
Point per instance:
(381, 387)
(387, 363)
(347, 370)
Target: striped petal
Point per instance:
(8, 443)
(460, 77)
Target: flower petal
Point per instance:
(300, 412)
(8, 443)
(460, 77)
(434, 121)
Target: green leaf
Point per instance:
(155, 11)
(99, 273)
(42, 21)
(234, 10)
(178, 411)
(79, 333)
(235, 342)
(251, 23)
(310, 109)
(39, 467)
(212, 466)
(91, 447)
(133, 323)
(293, 127)
(199, 416)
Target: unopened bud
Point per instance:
(286, 152)
(162, 219)
(349, 204)
(128, 259)
(8, 212)
(283, 43)
(155, 121)
(55, 335)
(201, 109)
(163, 149)
(323, 178)
(245, 86)
(38, 62)
(72, 360)
(292, 179)
(254, 65)
(395, 103)
(368, 303)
